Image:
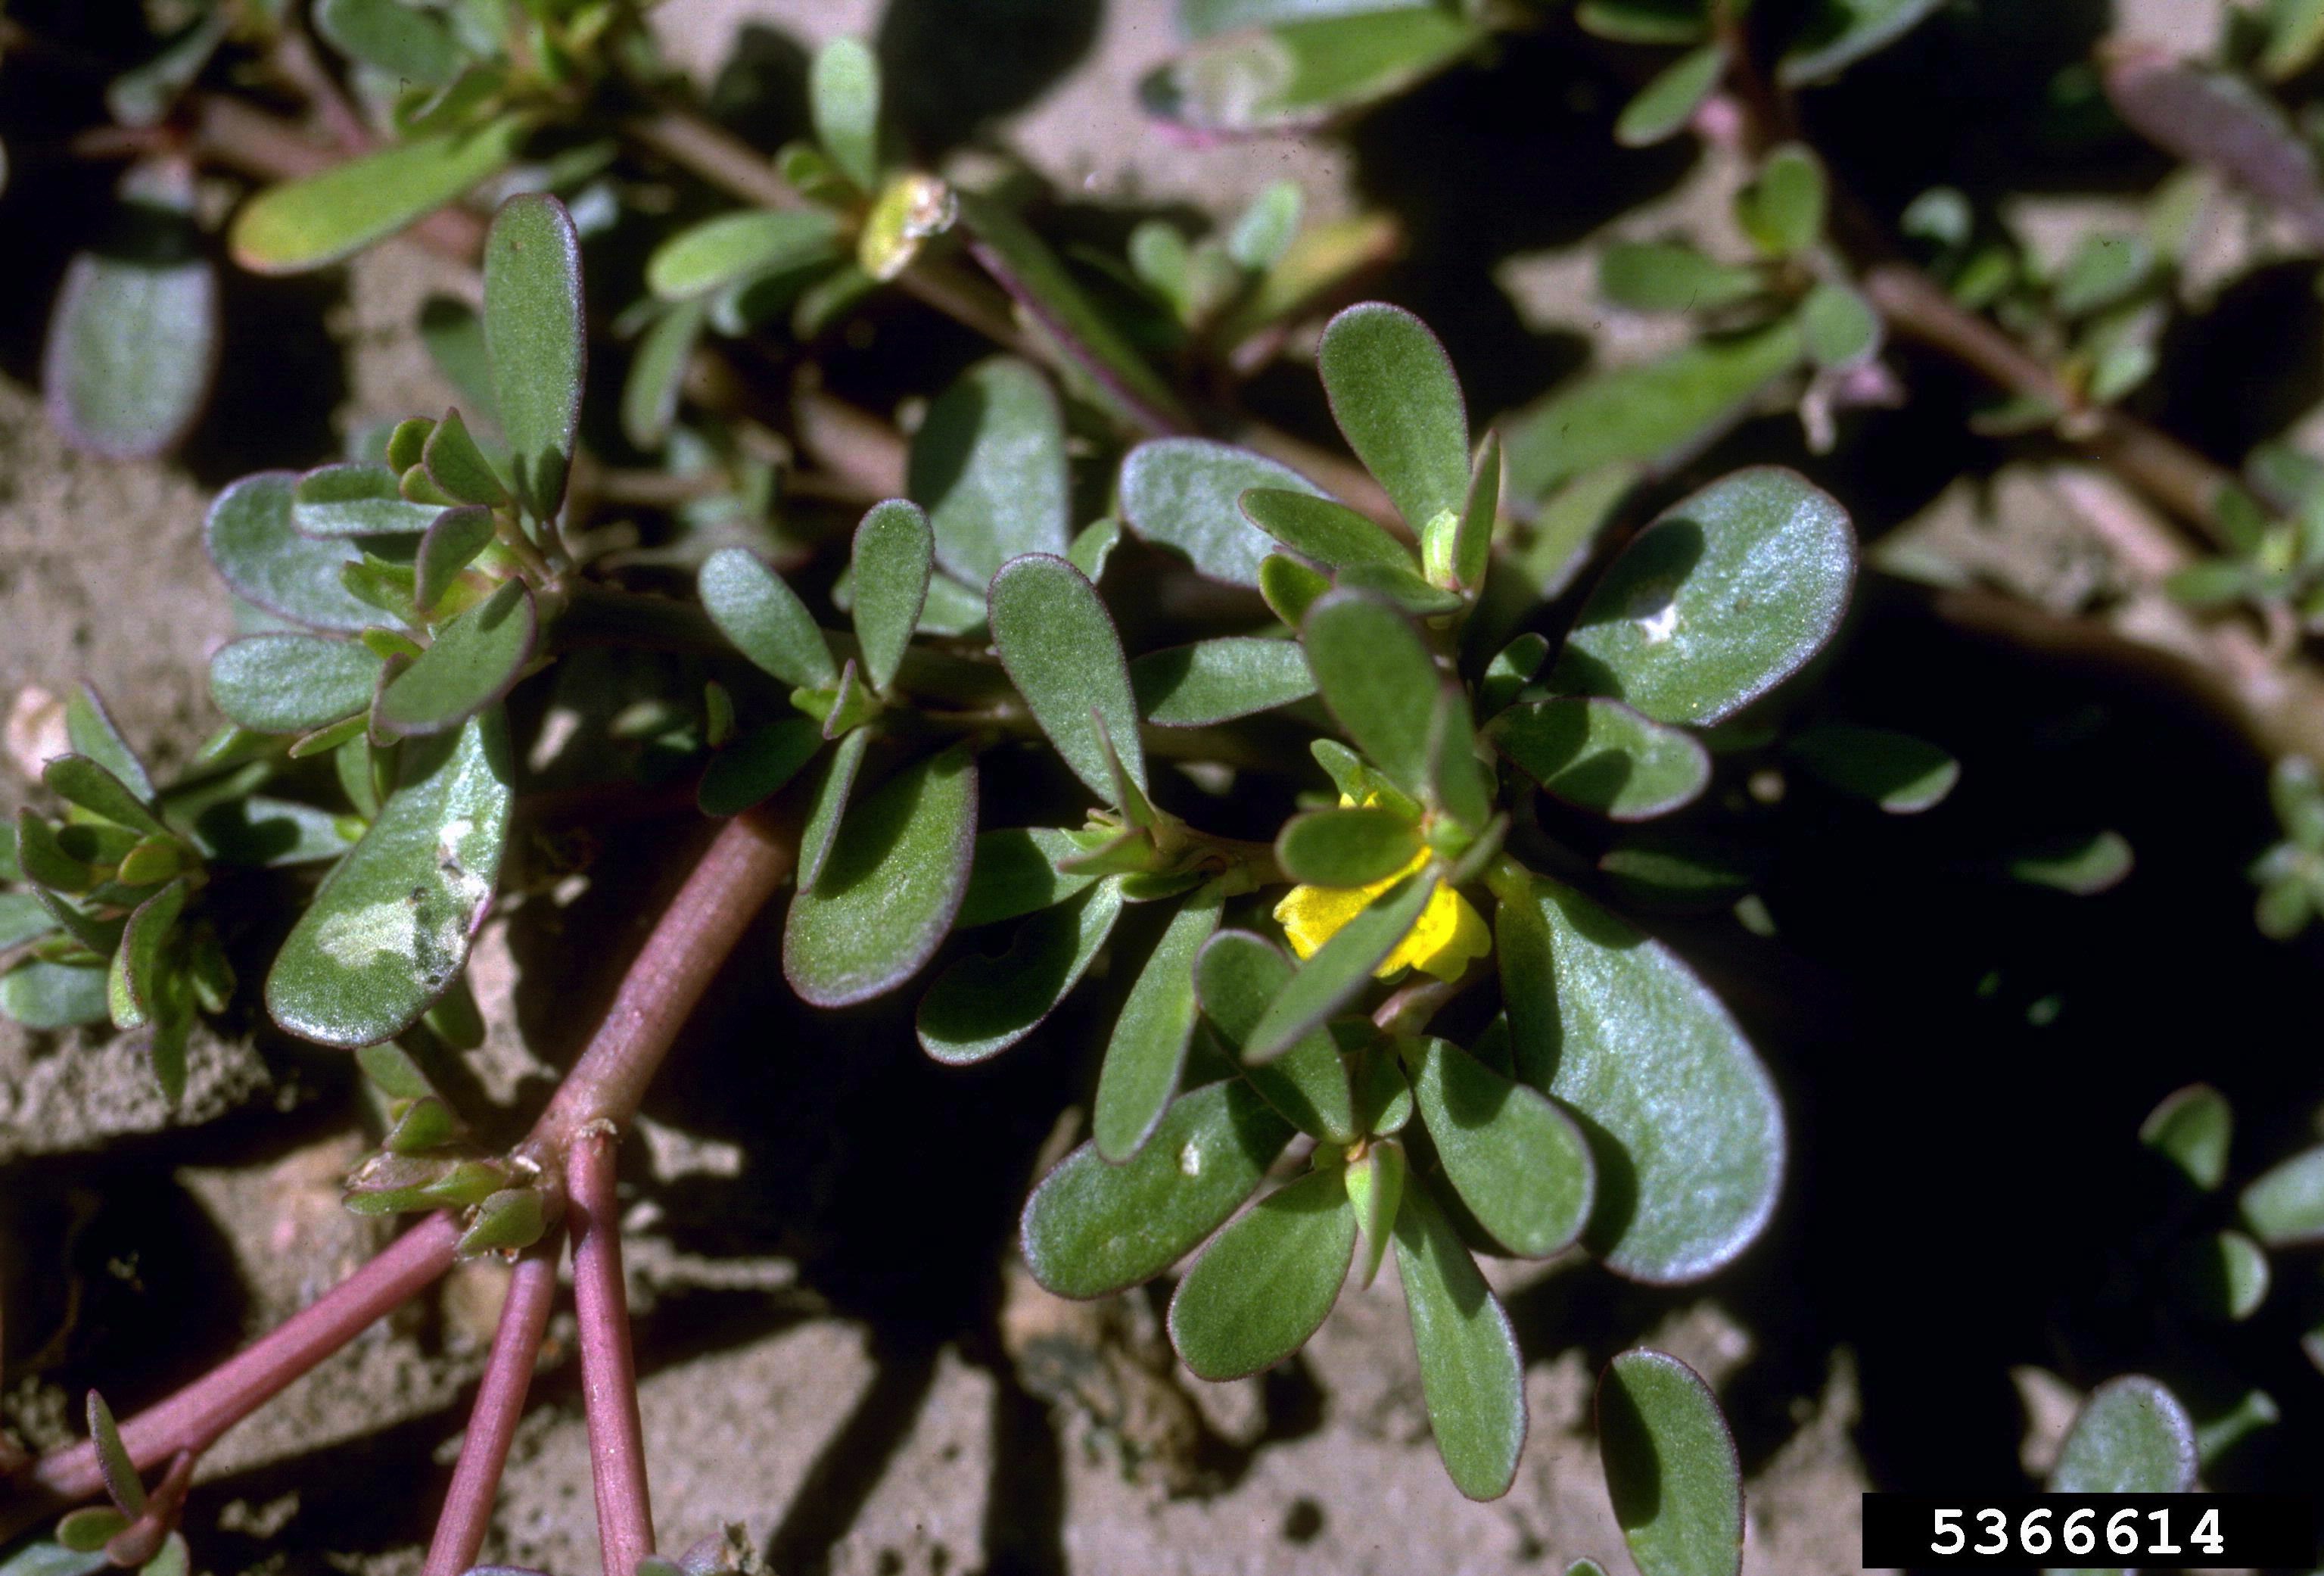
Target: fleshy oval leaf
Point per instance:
(324, 217)
(1902, 774)
(2132, 1436)
(1375, 674)
(1471, 1375)
(253, 541)
(982, 1004)
(289, 683)
(535, 342)
(1600, 754)
(1235, 978)
(1671, 1468)
(891, 560)
(2285, 1204)
(1148, 1050)
(988, 463)
(1268, 1281)
(1348, 847)
(1058, 643)
(1396, 400)
(1184, 494)
(475, 658)
(1216, 680)
(755, 608)
(1517, 1160)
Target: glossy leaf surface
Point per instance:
(989, 464)
(1517, 1160)
(1268, 1281)
(982, 1004)
(287, 683)
(755, 608)
(1236, 977)
(319, 220)
(1148, 1050)
(1603, 756)
(891, 560)
(1671, 1467)
(1396, 400)
(1471, 1375)
(1058, 643)
(535, 339)
(1184, 494)
(475, 658)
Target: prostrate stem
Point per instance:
(500, 1404)
(609, 1373)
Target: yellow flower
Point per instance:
(1449, 935)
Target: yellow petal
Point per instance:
(1449, 933)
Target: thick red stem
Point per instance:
(500, 1406)
(609, 1372)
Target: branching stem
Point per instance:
(500, 1404)
(609, 1373)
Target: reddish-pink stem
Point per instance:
(609, 1373)
(500, 1406)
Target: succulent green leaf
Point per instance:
(89, 1529)
(2191, 1130)
(1184, 494)
(2131, 1437)
(2221, 1276)
(1783, 210)
(2285, 1204)
(1472, 539)
(757, 764)
(1091, 1228)
(1216, 680)
(1655, 414)
(1839, 33)
(1376, 674)
(844, 95)
(390, 928)
(1346, 847)
(828, 805)
(1517, 1160)
(1684, 874)
(287, 683)
(1203, 18)
(133, 981)
(718, 253)
(1726, 595)
(90, 730)
(456, 464)
(77, 780)
(1396, 400)
(1268, 1281)
(475, 659)
(892, 559)
(1671, 1468)
(890, 888)
(1289, 587)
(1375, 1183)
(1664, 105)
(357, 498)
(261, 830)
(1024, 264)
(988, 463)
(402, 41)
(535, 342)
(649, 395)
(324, 217)
(1471, 1375)
(1058, 644)
(1236, 975)
(1298, 74)
(58, 996)
(1645, 22)
(449, 546)
(754, 607)
(984, 1004)
(101, 936)
(1902, 774)
(1603, 756)
(253, 541)
(1667, 276)
(1684, 1121)
(1016, 873)
(1339, 969)
(122, 1483)
(1839, 326)
(43, 859)
(1263, 232)
(23, 918)
(1148, 1050)
(1326, 532)
(134, 338)
(2078, 865)
(504, 1222)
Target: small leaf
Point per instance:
(757, 764)
(718, 253)
(1289, 587)
(2191, 1130)
(56, 995)
(1783, 210)
(1665, 276)
(1395, 400)
(1684, 1125)
(2221, 1276)
(1377, 676)
(535, 342)
(1263, 232)
(1346, 847)
(1472, 539)
(891, 560)
(649, 396)
(1664, 106)
(401, 41)
(1184, 494)
(1902, 774)
(312, 222)
(457, 466)
(1644, 21)
(1303, 73)
(1603, 756)
(1375, 1182)
(134, 979)
(390, 928)
(1216, 680)
(122, 1484)
(2285, 1204)
(43, 859)
(2080, 865)
(1058, 644)
(1322, 531)
(844, 94)
(357, 498)
(1236, 975)
(754, 607)
(287, 683)
(90, 730)
(1016, 873)
(506, 1222)
(1727, 594)
(1341, 968)
(829, 806)
(898, 870)
(80, 781)
(1517, 1160)
(450, 545)
(133, 339)
(2132, 1437)
(89, 1529)
(1268, 1281)
(989, 464)
(1839, 326)
(474, 661)
(1839, 33)
(1671, 1467)
(1471, 1375)
(258, 551)
(1091, 1228)
(1656, 413)
(983, 1004)
(1148, 1050)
